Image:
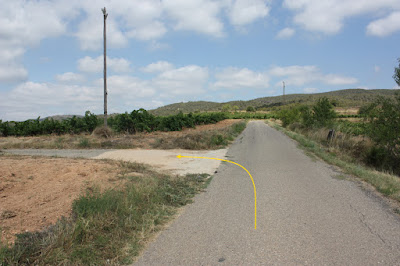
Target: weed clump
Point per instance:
(102, 132)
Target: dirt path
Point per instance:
(306, 216)
(161, 159)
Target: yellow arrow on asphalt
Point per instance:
(254, 186)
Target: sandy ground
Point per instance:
(36, 191)
(167, 160)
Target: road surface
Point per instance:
(305, 215)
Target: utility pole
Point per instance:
(283, 91)
(105, 68)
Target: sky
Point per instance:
(166, 51)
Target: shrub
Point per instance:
(384, 117)
(103, 132)
(250, 109)
(323, 113)
(289, 116)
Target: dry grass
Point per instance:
(161, 140)
(347, 110)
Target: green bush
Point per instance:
(250, 109)
(289, 116)
(323, 113)
(320, 115)
(74, 125)
(136, 121)
(384, 127)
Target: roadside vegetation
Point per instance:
(213, 136)
(361, 148)
(108, 227)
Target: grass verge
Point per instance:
(108, 227)
(387, 184)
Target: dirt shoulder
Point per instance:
(36, 192)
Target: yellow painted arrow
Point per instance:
(254, 186)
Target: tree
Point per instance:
(250, 109)
(323, 113)
(226, 107)
(384, 115)
(396, 75)
(235, 108)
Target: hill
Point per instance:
(341, 98)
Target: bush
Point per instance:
(384, 117)
(74, 125)
(103, 132)
(323, 113)
(250, 109)
(289, 116)
(136, 121)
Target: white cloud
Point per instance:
(128, 87)
(70, 77)
(385, 26)
(337, 80)
(90, 34)
(235, 78)
(300, 75)
(196, 15)
(377, 69)
(188, 80)
(295, 75)
(12, 73)
(243, 12)
(30, 99)
(285, 34)
(22, 25)
(96, 65)
(151, 31)
(328, 17)
(126, 19)
(159, 66)
(310, 90)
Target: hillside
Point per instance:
(342, 98)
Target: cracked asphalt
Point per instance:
(305, 214)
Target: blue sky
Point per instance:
(166, 51)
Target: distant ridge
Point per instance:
(60, 117)
(342, 98)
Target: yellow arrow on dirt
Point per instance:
(254, 186)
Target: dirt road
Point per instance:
(305, 214)
(161, 159)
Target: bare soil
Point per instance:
(35, 192)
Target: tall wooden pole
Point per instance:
(105, 67)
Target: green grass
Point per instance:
(109, 227)
(387, 184)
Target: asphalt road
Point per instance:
(305, 215)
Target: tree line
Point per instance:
(136, 121)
